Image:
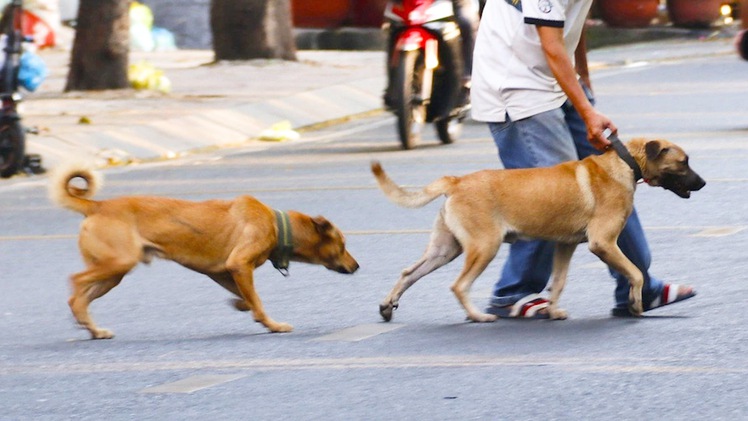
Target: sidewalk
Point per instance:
(210, 105)
(229, 104)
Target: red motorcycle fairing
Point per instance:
(417, 38)
(418, 12)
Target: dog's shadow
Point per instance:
(196, 339)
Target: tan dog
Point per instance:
(567, 203)
(223, 239)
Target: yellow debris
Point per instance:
(279, 132)
(143, 75)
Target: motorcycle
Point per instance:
(425, 68)
(12, 133)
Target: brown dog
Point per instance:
(567, 203)
(223, 239)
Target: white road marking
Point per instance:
(718, 232)
(594, 265)
(192, 384)
(360, 332)
(588, 363)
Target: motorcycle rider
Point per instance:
(467, 18)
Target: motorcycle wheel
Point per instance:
(449, 129)
(407, 101)
(12, 142)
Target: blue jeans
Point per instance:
(544, 140)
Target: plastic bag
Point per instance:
(141, 23)
(140, 14)
(32, 71)
(41, 31)
(163, 39)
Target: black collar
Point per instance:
(280, 257)
(624, 154)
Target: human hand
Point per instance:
(597, 123)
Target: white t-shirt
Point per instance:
(510, 72)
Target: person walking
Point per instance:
(526, 85)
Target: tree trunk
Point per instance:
(248, 29)
(100, 51)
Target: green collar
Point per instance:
(281, 254)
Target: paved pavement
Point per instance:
(214, 105)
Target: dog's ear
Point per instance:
(321, 224)
(654, 149)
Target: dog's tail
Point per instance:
(410, 198)
(67, 194)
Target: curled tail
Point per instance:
(68, 195)
(410, 198)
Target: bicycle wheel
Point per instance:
(12, 142)
(408, 104)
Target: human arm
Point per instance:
(552, 42)
(580, 61)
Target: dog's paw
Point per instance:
(482, 318)
(280, 327)
(386, 309)
(636, 308)
(240, 305)
(558, 314)
(102, 334)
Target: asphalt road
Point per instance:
(182, 353)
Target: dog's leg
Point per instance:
(442, 249)
(240, 266)
(561, 259)
(477, 257)
(90, 285)
(227, 282)
(110, 250)
(605, 247)
(245, 281)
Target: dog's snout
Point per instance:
(345, 264)
(697, 183)
(682, 185)
(347, 269)
(352, 268)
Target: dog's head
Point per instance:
(327, 247)
(667, 167)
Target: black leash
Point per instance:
(281, 255)
(624, 154)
